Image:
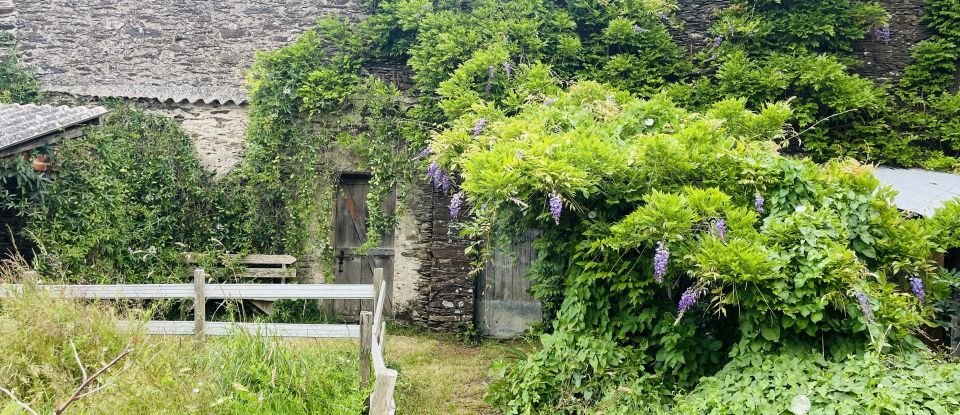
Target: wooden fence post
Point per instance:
(366, 340)
(381, 402)
(199, 301)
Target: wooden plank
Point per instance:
(366, 339)
(119, 292)
(217, 328)
(376, 354)
(378, 310)
(211, 291)
(276, 273)
(290, 291)
(381, 401)
(252, 259)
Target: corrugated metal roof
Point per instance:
(178, 94)
(920, 191)
(22, 123)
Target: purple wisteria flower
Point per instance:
(758, 202)
(916, 285)
(865, 305)
(445, 183)
(881, 34)
(720, 229)
(456, 202)
(638, 29)
(556, 206)
(432, 171)
(423, 153)
(688, 299)
(521, 155)
(437, 177)
(660, 259)
(478, 127)
(508, 69)
(663, 17)
(717, 41)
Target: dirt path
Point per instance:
(443, 376)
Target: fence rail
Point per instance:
(371, 331)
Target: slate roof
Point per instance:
(21, 124)
(176, 94)
(920, 191)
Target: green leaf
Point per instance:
(770, 332)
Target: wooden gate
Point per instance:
(505, 308)
(349, 233)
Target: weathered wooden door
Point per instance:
(349, 233)
(505, 308)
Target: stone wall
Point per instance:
(8, 24)
(884, 62)
(445, 289)
(198, 43)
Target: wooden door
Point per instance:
(505, 307)
(349, 233)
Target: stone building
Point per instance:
(188, 60)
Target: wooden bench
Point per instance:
(277, 268)
(257, 266)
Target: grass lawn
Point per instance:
(442, 375)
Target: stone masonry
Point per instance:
(8, 24)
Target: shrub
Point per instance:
(911, 383)
(690, 240)
(129, 199)
(17, 84)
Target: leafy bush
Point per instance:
(17, 85)
(129, 199)
(933, 68)
(912, 383)
(691, 240)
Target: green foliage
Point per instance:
(129, 199)
(943, 16)
(945, 225)
(632, 174)
(933, 68)
(312, 113)
(17, 85)
(819, 26)
(911, 383)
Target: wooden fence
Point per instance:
(371, 331)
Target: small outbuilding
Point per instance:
(24, 130)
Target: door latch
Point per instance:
(343, 255)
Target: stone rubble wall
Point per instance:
(161, 43)
(8, 25)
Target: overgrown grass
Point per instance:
(240, 374)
